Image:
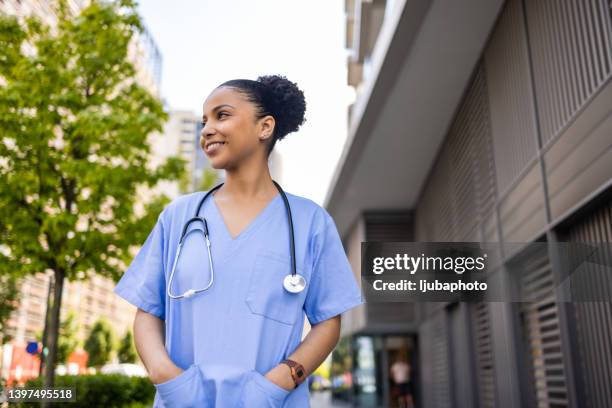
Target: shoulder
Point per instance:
(308, 208)
(180, 204)
(319, 223)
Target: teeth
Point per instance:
(210, 146)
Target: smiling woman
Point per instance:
(235, 341)
(250, 113)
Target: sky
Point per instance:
(204, 43)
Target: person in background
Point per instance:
(400, 375)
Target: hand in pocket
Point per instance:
(188, 389)
(258, 391)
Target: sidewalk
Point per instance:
(323, 400)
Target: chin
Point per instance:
(218, 164)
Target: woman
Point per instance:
(238, 342)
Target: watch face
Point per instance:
(300, 373)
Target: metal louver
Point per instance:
(541, 333)
(484, 355)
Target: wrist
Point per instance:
(296, 370)
(281, 376)
(163, 371)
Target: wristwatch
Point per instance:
(297, 371)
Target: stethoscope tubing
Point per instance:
(196, 217)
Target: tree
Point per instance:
(100, 343)
(74, 150)
(127, 350)
(9, 295)
(67, 341)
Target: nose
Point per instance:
(207, 131)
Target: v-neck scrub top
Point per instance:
(229, 336)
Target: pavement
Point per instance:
(322, 399)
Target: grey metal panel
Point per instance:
(389, 226)
(485, 367)
(579, 161)
(434, 209)
(570, 43)
(482, 145)
(384, 314)
(441, 387)
(594, 319)
(505, 352)
(460, 191)
(512, 108)
(460, 356)
(426, 356)
(541, 331)
(521, 211)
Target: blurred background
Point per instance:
(427, 120)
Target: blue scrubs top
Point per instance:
(228, 337)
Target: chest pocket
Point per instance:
(267, 296)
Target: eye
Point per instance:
(203, 123)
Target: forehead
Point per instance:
(225, 95)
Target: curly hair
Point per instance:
(274, 95)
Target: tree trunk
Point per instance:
(46, 329)
(53, 330)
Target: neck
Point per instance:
(250, 181)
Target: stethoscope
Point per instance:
(293, 283)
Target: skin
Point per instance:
(247, 190)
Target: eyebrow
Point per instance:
(216, 108)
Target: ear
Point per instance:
(267, 125)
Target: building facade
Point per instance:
(486, 121)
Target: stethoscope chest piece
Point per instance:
(294, 283)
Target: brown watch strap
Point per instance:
(297, 371)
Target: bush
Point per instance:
(107, 390)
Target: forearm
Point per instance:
(149, 341)
(313, 350)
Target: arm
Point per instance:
(149, 341)
(313, 350)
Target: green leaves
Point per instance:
(100, 343)
(127, 349)
(74, 144)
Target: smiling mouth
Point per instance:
(214, 147)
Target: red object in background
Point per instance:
(24, 366)
(80, 358)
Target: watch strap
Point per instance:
(297, 371)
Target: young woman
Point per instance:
(221, 325)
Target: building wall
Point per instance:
(528, 158)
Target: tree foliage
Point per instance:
(67, 341)
(127, 349)
(100, 343)
(9, 295)
(74, 143)
(74, 147)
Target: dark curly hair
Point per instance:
(274, 95)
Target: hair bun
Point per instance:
(289, 103)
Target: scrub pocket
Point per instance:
(267, 295)
(258, 391)
(188, 389)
